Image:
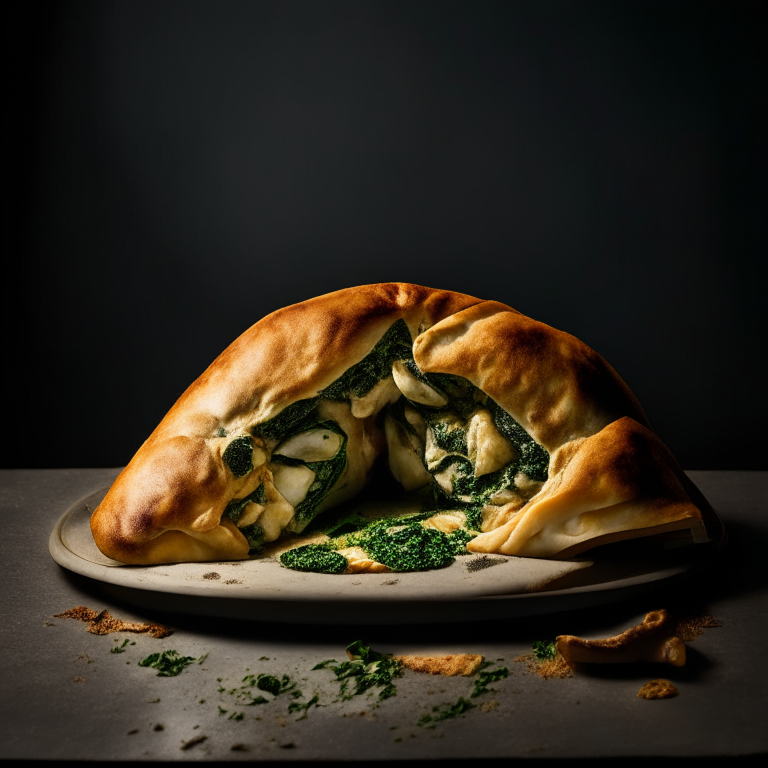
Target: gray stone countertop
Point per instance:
(66, 696)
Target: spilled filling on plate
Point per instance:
(472, 464)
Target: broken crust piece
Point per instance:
(651, 641)
(451, 665)
(657, 689)
(210, 483)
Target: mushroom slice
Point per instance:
(359, 562)
(447, 522)
(415, 390)
(445, 478)
(404, 457)
(505, 496)
(250, 514)
(381, 394)
(275, 517)
(526, 485)
(447, 423)
(488, 449)
(312, 445)
(292, 482)
(416, 420)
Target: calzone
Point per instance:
(516, 434)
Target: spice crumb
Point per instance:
(233, 581)
(547, 669)
(690, 627)
(193, 742)
(289, 745)
(104, 623)
(239, 748)
(131, 733)
(153, 701)
(159, 727)
(212, 576)
(488, 706)
(483, 562)
(79, 679)
(657, 689)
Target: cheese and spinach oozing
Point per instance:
(443, 437)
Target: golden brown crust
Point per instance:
(653, 641)
(609, 473)
(617, 484)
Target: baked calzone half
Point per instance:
(518, 439)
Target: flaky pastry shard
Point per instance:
(491, 407)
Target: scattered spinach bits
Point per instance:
(121, 648)
(250, 694)
(366, 669)
(544, 649)
(485, 677)
(168, 663)
(445, 712)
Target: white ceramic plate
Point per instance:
(473, 587)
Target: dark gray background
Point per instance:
(181, 169)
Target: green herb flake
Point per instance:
(169, 663)
(365, 670)
(273, 685)
(120, 648)
(544, 650)
(486, 677)
(445, 712)
(296, 706)
(246, 695)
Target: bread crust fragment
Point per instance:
(609, 474)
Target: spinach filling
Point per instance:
(393, 545)
(534, 459)
(315, 558)
(401, 543)
(254, 533)
(361, 378)
(238, 456)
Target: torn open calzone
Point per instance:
(520, 439)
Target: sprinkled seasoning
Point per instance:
(104, 623)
